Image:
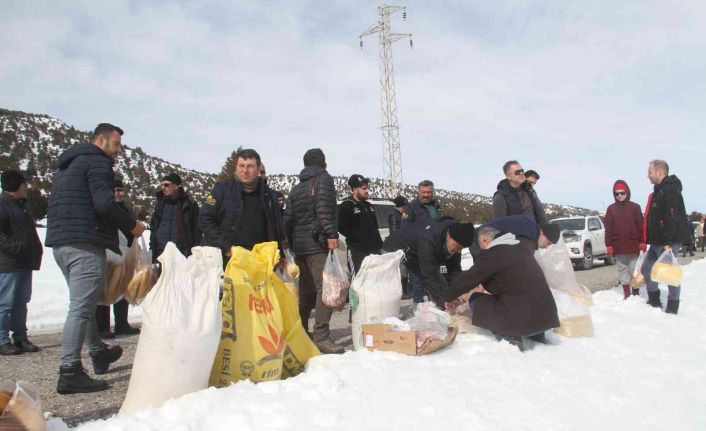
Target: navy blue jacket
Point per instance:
(221, 213)
(416, 211)
(190, 235)
(20, 248)
(82, 207)
(425, 250)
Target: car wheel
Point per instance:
(609, 260)
(587, 261)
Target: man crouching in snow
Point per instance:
(509, 294)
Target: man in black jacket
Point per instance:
(358, 223)
(82, 221)
(394, 221)
(515, 196)
(310, 223)
(424, 208)
(175, 218)
(427, 246)
(20, 254)
(240, 211)
(667, 228)
(120, 308)
(519, 302)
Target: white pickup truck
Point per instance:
(585, 240)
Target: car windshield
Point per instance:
(571, 223)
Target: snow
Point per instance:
(643, 369)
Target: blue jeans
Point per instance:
(415, 279)
(15, 293)
(653, 254)
(84, 267)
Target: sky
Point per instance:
(582, 92)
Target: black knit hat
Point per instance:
(551, 231)
(399, 201)
(119, 183)
(462, 233)
(357, 180)
(315, 157)
(173, 178)
(11, 180)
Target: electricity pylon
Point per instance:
(391, 152)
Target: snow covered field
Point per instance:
(643, 369)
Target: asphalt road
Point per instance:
(606, 277)
(41, 368)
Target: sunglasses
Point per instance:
(620, 193)
(519, 172)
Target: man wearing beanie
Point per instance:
(175, 218)
(241, 211)
(20, 254)
(310, 223)
(624, 236)
(394, 221)
(509, 294)
(82, 221)
(358, 223)
(429, 245)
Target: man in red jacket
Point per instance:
(624, 235)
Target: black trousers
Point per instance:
(119, 311)
(355, 259)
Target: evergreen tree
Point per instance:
(229, 167)
(37, 204)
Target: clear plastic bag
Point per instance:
(120, 271)
(637, 280)
(289, 281)
(667, 269)
(335, 283)
(20, 407)
(290, 266)
(429, 321)
(144, 277)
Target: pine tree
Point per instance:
(229, 167)
(36, 203)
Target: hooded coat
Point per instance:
(623, 224)
(519, 301)
(424, 246)
(667, 221)
(82, 206)
(311, 212)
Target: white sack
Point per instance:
(376, 292)
(181, 328)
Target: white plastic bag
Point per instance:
(559, 272)
(335, 283)
(637, 280)
(376, 292)
(181, 329)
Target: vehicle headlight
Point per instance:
(572, 238)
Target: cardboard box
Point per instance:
(380, 336)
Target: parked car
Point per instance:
(585, 240)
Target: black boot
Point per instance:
(636, 292)
(105, 356)
(654, 299)
(73, 380)
(672, 306)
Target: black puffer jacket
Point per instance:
(82, 207)
(221, 214)
(425, 250)
(508, 201)
(300, 219)
(20, 248)
(188, 229)
(667, 221)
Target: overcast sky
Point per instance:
(585, 92)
